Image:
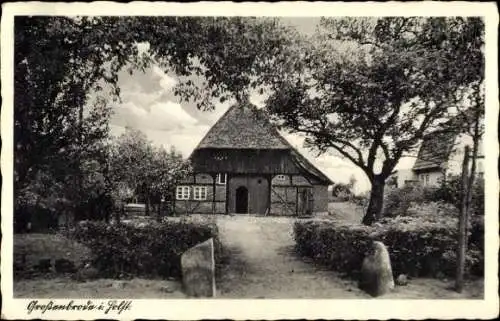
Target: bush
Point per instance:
(150, 250)
(417, 247)
(398, 201)
(449, 192)
(361, 199)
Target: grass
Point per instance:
(345, 211)
(102, 288)
(34, 247)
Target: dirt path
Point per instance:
(263, 264)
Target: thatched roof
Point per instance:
(243, 127)
(435, 151)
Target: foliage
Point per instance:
(150, 250)
(399, 201)
(341, 189)
(417, 246)
(449, 191)
(66, 68)
(361, 199)
(136, 165)
(371, 88)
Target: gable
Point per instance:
(243, 140)
(243, 126)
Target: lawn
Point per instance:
(29, 249)
(64, 287)
(345, 211)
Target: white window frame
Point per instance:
(422, 179)
(182, 193)
(218, 179)
(199, 193)
(281, 178)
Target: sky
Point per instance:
(149, 105)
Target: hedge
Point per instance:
(416, 247)
(152, 250)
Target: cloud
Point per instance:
(184, 140)
(149, 105)
(166, 82)
(159, 116)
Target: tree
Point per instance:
(137, 165)
(168, 168)
(60, 61)
(371, 88)
(130, 159)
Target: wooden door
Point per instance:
(241, 200)
(304, 201)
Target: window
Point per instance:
(200, 193)
(221, 179)
(281, 178)
(427, 179)
(182, 192)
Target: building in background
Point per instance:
(439, 157)
(243, 165)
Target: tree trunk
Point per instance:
(462, 225)
(158, 216)
(147, 203)
(376, 203)
(120, 212)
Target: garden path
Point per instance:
(263, 264)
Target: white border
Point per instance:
(265, 309)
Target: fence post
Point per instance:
(462, 224)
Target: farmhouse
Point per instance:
(243, 165)
(439, 156)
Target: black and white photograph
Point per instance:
(220, 158)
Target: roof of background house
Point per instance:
(244, 126)
(435, 150)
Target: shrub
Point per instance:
(149, 250)
(449, 192)
(417, 247)
(397, 201)
(361, 199)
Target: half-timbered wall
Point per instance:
(290, 195)
(214, 202)
(320, 198)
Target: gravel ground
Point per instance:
(263, 263)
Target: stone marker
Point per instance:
(198, 270)
(402, 280)
(376, 273)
